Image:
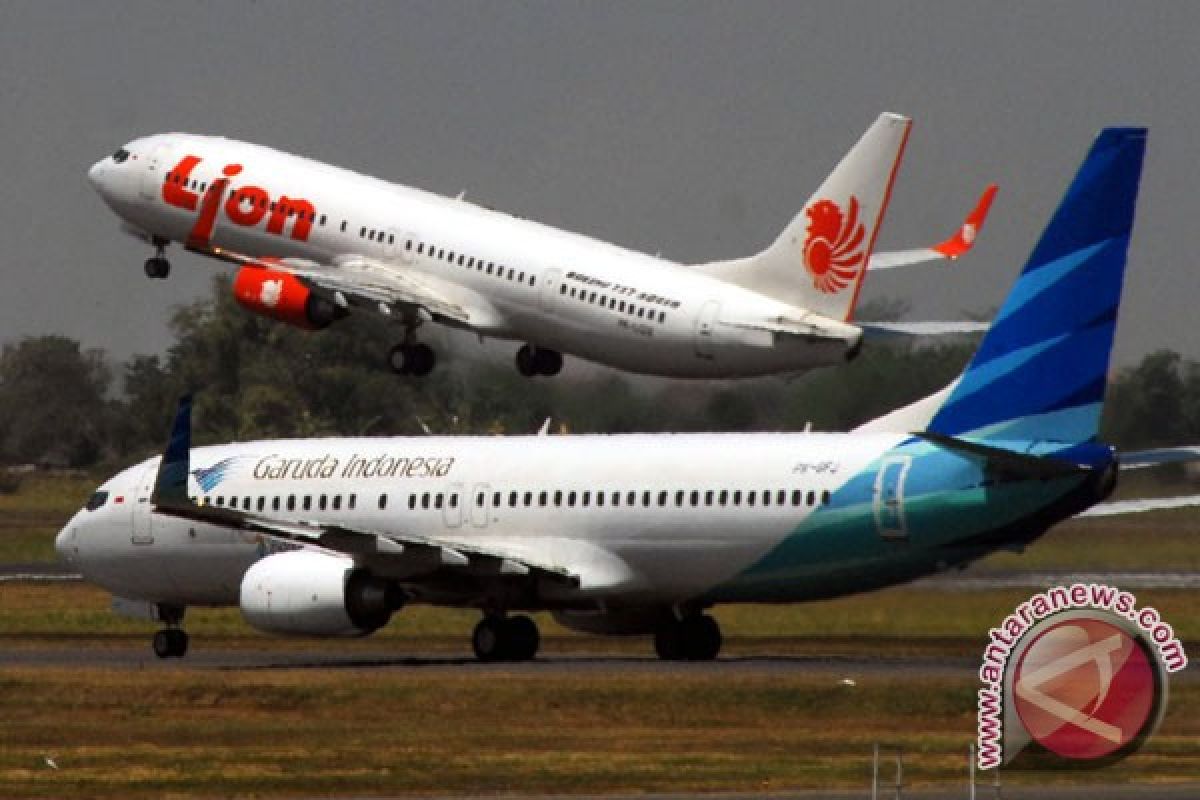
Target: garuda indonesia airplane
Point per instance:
(643, 533)
(315, 243)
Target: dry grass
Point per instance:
(191, 732)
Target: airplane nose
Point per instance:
(64, 545)
(95, 174)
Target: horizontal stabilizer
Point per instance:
(957, 245)
(1020, 465)
(883, 330)
(1141, 505)
(1139, 459)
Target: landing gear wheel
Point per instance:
(488, 640)
(417, 359)
(523, 638)
(538, 361)
(170, 643)
(693, 638)
(157, 267)
(548, 362)
(525, 364)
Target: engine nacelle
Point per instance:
(313, 594)
(282, 296)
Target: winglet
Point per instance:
(964, 239)
(170, 487)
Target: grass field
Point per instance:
(188, 731)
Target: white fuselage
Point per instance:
(523, 280)
(643, 519)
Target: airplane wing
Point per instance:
(355, 281)
(394, 554)
(445, 563)
(958, 244)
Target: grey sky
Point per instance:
(693, 129)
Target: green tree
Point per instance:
(54, 400)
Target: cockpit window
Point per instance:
(120, 155)
(97, 499)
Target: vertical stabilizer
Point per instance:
(819, 261)
(1040, 371)
(171, 484)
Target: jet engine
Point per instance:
(313, 594)
(282, 296)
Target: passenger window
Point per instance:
(737, 498)
(825, 498)
(481, 499)
(695, 498)
(382, 501)
(812, 498)
(274, 503)
(781, 497)
(496, 500)
(291, 503)
(437, 500)
(766, 497)
(723, 498)
(586, 499)
(425, 500)
(532, 281)
(350, 501)
(599, 498)
(512, 499)
(337, 502)
(571, 499)
(558, 498)
(307, 502)
(708, 498)
(679, 499)
(220, 500)
(797, 497)
(262, 504)
(646, 499)
(528, 499)
(662, 499)
(541, 498)
(616, 499)
(750, 498)
(454, 500)
(343, 226)
(321, 503)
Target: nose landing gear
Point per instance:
(158, 267)
(171, 641)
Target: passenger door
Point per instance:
(141, 521)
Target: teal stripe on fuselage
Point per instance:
(839, 550)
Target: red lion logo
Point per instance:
(833, 252)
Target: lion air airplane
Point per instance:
(315, 242)
(643, 533)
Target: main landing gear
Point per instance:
(158, 267)
(412, 359)
(538, 361)
(171, 641)
(696, 637)
(500, 638)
